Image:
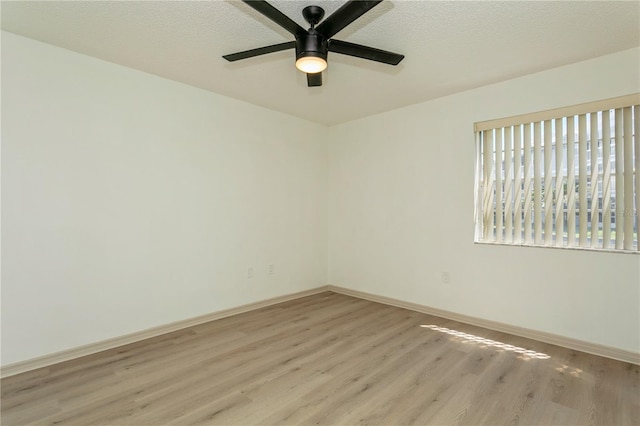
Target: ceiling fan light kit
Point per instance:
(312, 45)
(311, 64)
(311, 52)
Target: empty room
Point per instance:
(320, 212)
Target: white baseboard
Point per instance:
(73, 353)
(554, 339)
(92, 348)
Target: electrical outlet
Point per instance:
(272, 269)
(446, 278)
(250, 272)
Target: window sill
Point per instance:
(587, 249)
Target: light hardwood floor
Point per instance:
(329, 359)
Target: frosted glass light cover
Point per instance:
(311, 64)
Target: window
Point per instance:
(563, 178)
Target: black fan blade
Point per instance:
(342, 17)
(276, 16)
(260, 51)
(314, 80)
(365, 52)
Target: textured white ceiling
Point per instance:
(449, 46)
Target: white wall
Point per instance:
(130, 201)
(401, 212)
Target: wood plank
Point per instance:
(329, 359)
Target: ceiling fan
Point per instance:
(312, 45)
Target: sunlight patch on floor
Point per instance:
(524, 353)
(575, 372)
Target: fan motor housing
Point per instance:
(312, 44)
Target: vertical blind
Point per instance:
(566, 178)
